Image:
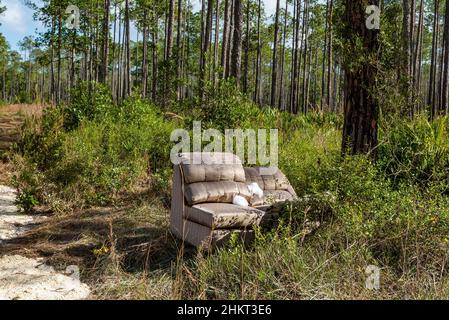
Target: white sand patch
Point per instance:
(30, 279)
(12, 222)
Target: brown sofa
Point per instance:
(202, 213)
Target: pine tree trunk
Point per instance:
(216, 40)
(155, 62)
(145, 54)
(247, 42)
(52, 62)
(445, 65)
(257, 93)
(295, 60)
(127, 87)
(406, 60)
(236, 58)
(58, 86)
(433, 66)
(206, 41)
(274, 66)
(105, 51)
(361, 106)
(179, 50)
(225, 41)
(281, 102)
(323, 68)
(330, 103)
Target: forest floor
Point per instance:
(26, 275)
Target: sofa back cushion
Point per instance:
(211, 167)
(215, 192)
(277, 181)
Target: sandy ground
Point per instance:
(30, 279)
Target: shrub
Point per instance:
(89, 101)
(416, 152)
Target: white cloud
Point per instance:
(14, 18)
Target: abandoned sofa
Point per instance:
(202, 211)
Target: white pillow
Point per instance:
(255, 190)
(240, 201)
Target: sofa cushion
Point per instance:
(211, 167)
(223, 215)
(271, 197)
(277, 181)
(222, 192)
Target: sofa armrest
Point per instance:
(177, 203)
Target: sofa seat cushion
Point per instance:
(220, 192)
(224, 215)
(273, 196)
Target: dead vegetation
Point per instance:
(11, 121)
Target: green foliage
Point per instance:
(27, 201)
(416, 152)
(27, 182)
(90, 101)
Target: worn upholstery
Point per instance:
(223, 215)
(272, 196)
(218, 192)
(177, 203)
(206, 238)
(278, 181)
(212, 167)
(276, 187)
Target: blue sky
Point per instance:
(17, 22)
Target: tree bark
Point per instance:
(445, 65)
(145, 54)
(360, 105)
(257, 92)
(329, 60)
(236, 59)
(105, 49)
(226, 28)
(432, 80)
(274, 67)
(406, 59)
(284, 40)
